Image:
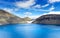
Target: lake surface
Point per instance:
(29, 31)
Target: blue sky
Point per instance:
(31, 8)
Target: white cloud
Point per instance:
(54, 12)
(37, 6)
(52, 1)
(39, 10)
(34, 17)
(27, 14)
(52, 8)
(15, 9)
(11, 10)
(25, 4)
(45, 5)
(51, 12)
(7, 9)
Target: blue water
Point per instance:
(29, 31)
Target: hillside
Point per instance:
(7, 18)
(48, 19)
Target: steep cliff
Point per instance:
(48, 19)
(7, 18)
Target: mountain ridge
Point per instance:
(48, 19)
(8, 18)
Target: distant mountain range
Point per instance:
(8, 18)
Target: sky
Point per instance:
(31, 8)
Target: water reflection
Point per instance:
(29, 31)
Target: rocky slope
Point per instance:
(48, 19)
(7, 18)
(27, 19)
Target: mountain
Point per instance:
(27, 19)
(48, 19)
(8, 18)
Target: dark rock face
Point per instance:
(7, 18)
(48, 19)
